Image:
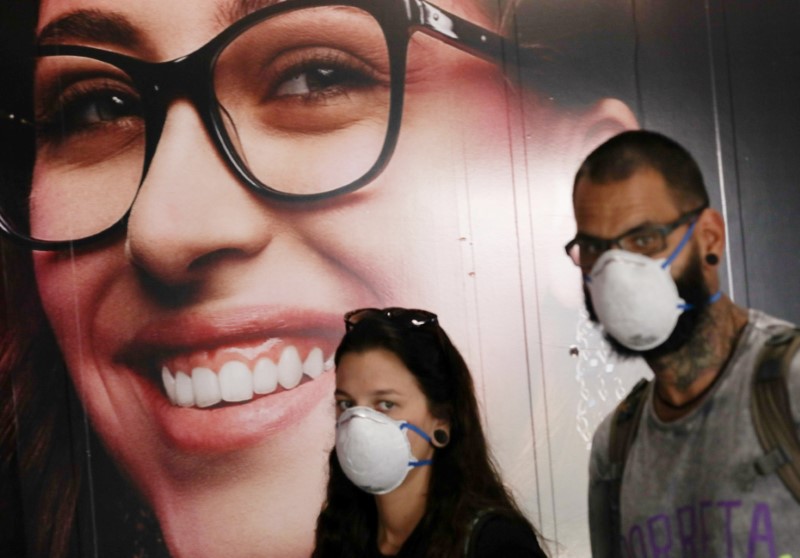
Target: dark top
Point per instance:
(497, 536)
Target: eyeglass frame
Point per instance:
(607, 243)
(414, 316)
(191, 77)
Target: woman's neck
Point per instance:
(400, 511)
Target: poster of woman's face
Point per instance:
(216, 183)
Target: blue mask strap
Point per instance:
(680, 246)
(711, 300)
(419, 432)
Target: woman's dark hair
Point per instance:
(61, 494)
(464, 479)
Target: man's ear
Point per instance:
(710, 234)
(604, 119)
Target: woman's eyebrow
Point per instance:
(93, 26)
(384, 392)
(375, 393)
(234, 10)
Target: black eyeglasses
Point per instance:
(647, 240)
(409, 316)
(302, 99)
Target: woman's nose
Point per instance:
(191, 213)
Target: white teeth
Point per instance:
(235, 382)
(169, 384)
(312, 367)
(290, 368)
(184, 392)
(265, 376)
(206, 387)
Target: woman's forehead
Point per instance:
(374, 369)
(204, 15)
(165, 28)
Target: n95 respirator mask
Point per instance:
(373, 449)
(635, 298)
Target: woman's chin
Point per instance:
(258, 501)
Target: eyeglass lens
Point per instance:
(646, 241)
(304, 101)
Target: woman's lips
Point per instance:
(231, 380)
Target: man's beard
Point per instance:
(692, 289)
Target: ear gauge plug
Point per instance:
(712, 259)
(440, 437)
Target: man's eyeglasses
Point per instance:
(302, 99)
(408, 316)
(646, 240)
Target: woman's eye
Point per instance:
(385, 406)
(79, 111)
(307, 82)
(343, 404)
(101, 107)
(315, 80)
(106, 108)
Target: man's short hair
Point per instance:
(624, 154)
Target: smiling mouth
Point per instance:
(240, 378)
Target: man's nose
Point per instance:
(191, 213)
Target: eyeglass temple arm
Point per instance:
(458, 32)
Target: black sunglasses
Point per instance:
(408, 316)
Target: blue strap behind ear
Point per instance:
(711, 300)
(419, 432)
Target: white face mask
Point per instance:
(635, 298)
(373, 449)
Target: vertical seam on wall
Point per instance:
(531, 414)
(718, 142)
(636, 74)
(86, 427)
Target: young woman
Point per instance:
(411, 474)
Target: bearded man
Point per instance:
(694, 480)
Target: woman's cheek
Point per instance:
(72, 288)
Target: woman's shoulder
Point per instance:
(510, 537)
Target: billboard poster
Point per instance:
(193, 194)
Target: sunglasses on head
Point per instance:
(409, 316)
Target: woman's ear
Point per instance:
(571, 134)
(604, 119)
(441, 437)
(441, 432)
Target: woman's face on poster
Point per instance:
(200, 337)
